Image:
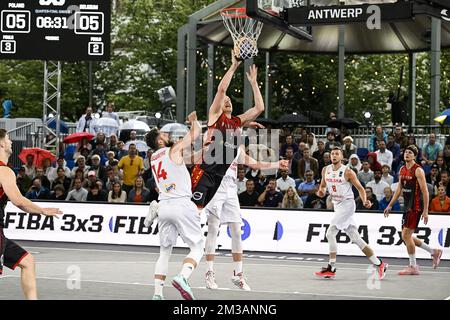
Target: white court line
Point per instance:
(223, 263)
(448, 298)
(235, 290)
(218, 256)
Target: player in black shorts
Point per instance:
(11, 254)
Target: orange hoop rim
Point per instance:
(234, 13)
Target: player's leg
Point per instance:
(354, 235)
(161, 270)
(435, 253)
(210, 249)
(413, 268)
(237, 251)
(330, 270)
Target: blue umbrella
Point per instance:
(51, 123)
(444, 118)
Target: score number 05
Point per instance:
(17, 21)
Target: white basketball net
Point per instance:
(244, 31)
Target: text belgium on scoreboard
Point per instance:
(63, 30)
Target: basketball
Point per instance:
(245, 48)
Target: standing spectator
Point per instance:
(139, 193)
(261, 183)
(241, 180)
(293, 163)
(289, 143)
(441, 203)
(147, 161)
(122, 152)
(431, 150)
(307, 163)
(311, 142)
(86, 121)
(249, 198)
(349, 148)
(365, 175)
(117, 195)
(23, 181)
(355, 163)
(30, 168)
(132, 166)
(378, 136)
(387, 198)
(78, 193)
(94, 194)
(59, 193)
(271, 197)
(61, 179)
(400, 138)
(80, 164)
(285, 181)
(109, 113)
(37, 191)
(60, 163)
(445, 181)
(377, 185)
(370, 197)
(318, 154)
(44, 181)
(386, 177)
(331, 141)
(394, 147)
(384, 156)
(307, 187)
(291, 200)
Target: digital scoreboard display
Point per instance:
(62, 30)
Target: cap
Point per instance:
(91, 173)
(434, 166)
(348, 138)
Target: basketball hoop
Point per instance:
(244, 31)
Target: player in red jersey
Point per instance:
(415, 192)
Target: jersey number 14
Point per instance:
(160, 174)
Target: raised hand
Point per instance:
(252, 74)
(192, 117)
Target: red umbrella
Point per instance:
(38, 154)
(77, 137)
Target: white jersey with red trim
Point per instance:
(173, 180)
(338, 186)
(231, 172)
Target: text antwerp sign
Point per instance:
(262, 230)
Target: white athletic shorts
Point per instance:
(225, 203)
(179, 217)
(344, 212)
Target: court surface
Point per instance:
(126, 272)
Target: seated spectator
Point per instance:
(307, 187)
(289, 143)
(271, 197)
(80, 163)
(311, 142)
(60, 163)
(46, 166)
(241, 180)
(261, 183)
(111, 178)
(117, 195)
(44, 181)
(37, 191)
(291, 200)
(433, 177)
(442, 202)
(394, 147)
(139, 193)
(377, 185)
(92, 178)
(372, 159)
(379, 135)
(99, 151)
(249, 198)
(318, 154)
(365, 175)
(111, 156)
(441, 164)
(78, 193)
(400, 138)
(23, 181)
(112, 145)
(400, 200)
(307, 163)
(94, 194)
(253, 175)
(299, 154)
(147, 162)
(384, 156)
(61, 179)
(293, 163)
(122, 151)
(387, 198)
(315, 202)
(59, 193)
(355, 163)
(431, 150)
(326, 162)
(80, 175)
(99, 139)
(348, 149)
(98, 168)
(412, 141)
(285, 181)
(331, 141)
(386, 177)
(445, 181)
(371, 197)
(30, 168)
(447, 155)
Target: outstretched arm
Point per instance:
(254, 112)
(176, 152)
(259, 165)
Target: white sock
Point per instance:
(187, 270)
(237, 267)
(374, 259)
(332, 262)
(210, 265)
(159, 285)
(412, 260)
(426, 247)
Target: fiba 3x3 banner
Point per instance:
(264, 230)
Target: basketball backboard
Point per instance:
(270, 11)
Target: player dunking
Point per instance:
(178, 215)
(11, 254)
(415, 192)
(207, 177)
(338, 180)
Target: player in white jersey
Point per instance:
(178, 215)
(224, 208)
(338, 179)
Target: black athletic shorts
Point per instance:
(11, 254)
(205, 189)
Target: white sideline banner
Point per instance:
(262, 230)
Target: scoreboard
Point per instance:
(63, 30)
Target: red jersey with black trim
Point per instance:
(3, 200)
(411, 188)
